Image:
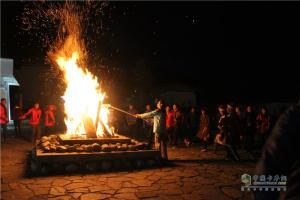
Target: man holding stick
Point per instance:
(159, 127)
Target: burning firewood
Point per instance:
(105, 147)
(89, 127)
(61, 149)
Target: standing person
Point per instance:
(241, 119)
(148, 126)
(159, 127)
(233, 130)
(178, 123)
(249, 129)
(203, 133)
(3, 118)
(34, 121)
(131, 121)
(192, 126)
(263, 124)
(169, 124)
(219, 139)
(49, 119)
(17, 114)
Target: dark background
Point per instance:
(224, 51)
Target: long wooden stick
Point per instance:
(123, 111)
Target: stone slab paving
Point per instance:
(191, 174)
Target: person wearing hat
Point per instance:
(159, 127)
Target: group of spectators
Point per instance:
(34, 114)
(235, 128)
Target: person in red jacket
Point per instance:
(49, 119)
(34, 121)
(263, 124)
(3, 118)
(170, 123)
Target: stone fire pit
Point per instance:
(60, 154)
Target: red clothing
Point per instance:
(35, 116)
(49, 118)
(3, 114)
(262, 123)
(178, 118)
(170, 120)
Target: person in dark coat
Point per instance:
(132, 123)
(17, 114)
(148, 126)
(232, 136)
(280, 155)
(192, 126)
(204, 129)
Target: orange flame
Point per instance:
(83, 95)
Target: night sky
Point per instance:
(248, 51)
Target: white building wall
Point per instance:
(7, 79)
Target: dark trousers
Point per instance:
(173, 137)
(161, 145)
(249, 141)
(36, 132)
(231, 152)
(17, 125)
(191, 134)
(4, 130)
(205, 144)
(149, 134)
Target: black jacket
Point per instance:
(281, 156)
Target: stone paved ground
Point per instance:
(192, 174)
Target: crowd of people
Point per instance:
(167, 125)
(35, 120)
(235, 127)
